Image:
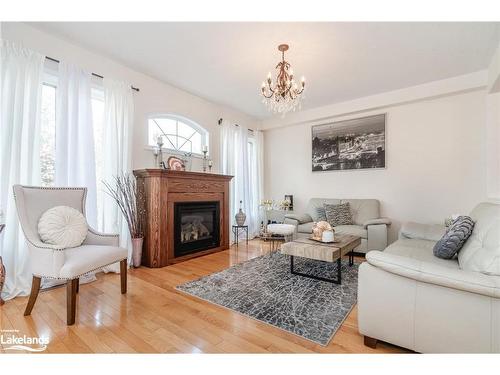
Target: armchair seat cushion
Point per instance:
(355, 230)
(83, 259)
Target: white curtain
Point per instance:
(20, 101)
(246, 167)
(117, 159)
(75, 155)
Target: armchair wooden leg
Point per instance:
(123, 275)
(370, 342)
(35, 288)
(71, 286)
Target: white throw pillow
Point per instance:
(62, 226)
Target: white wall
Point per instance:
(154, 96)
(435, 161)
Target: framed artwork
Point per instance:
(350, 144)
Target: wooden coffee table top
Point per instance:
(303, 246)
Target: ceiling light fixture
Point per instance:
(285, 94)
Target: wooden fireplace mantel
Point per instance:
(161, 189)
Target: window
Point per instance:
(179, 134)
(48, 132)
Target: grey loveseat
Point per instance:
(367, 222)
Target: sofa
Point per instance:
(410, 298)
(367, 222)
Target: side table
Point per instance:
(236, 232)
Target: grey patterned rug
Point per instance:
(264, 289)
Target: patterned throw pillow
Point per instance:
(320, 212)
(338, 214)
(454, 238)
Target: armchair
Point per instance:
(50, 261)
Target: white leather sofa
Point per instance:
(410, 298)
(367, 222)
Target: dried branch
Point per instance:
(125, 193)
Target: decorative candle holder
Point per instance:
(210, 164)
(159, 153)
(205, 160)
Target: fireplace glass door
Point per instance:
(197, 227)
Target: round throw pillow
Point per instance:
(62, 226)
(455, 237)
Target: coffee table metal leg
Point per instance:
(351, 258)
(338, 280)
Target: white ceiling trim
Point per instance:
(445, 87)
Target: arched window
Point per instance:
(179, 133)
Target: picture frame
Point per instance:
(353, 144)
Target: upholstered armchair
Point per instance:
(50, 261)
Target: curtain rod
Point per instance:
(94, 74)
(220, 123)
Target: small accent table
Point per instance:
(236, 232)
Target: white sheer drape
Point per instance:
(20, 100)
(75, 156)
(117, 159)
(246, 167)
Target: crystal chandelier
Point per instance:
(285, 94)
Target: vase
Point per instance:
(2, 280)
(137, 251)
(240, 217)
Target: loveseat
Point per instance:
(410, 298)
(367, 222)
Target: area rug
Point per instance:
(264, 289)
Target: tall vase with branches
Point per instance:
(124, 192)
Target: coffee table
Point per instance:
(326, 252)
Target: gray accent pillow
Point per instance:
(320, 212)
(454, 238)
(338, 214)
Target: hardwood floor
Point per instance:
(153, 317)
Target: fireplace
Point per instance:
(196, 227)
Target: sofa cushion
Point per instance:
(355, 230)
(363, 210)
(305, 228)
(338, 214)
(481, 252)
(454, 238)
(420, 250)
(314, 203)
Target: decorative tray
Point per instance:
(320, 240)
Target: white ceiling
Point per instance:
(227, 62)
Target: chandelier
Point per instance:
(285, 94)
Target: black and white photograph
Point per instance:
(350, 144)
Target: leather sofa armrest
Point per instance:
(101, 239)
(429, 232)
(380, 220)
(430, 273)
(300, 218)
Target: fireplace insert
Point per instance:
(196, 227)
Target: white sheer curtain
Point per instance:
(117, 159)
(75, 156)
(246, 168)
(20, 100)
